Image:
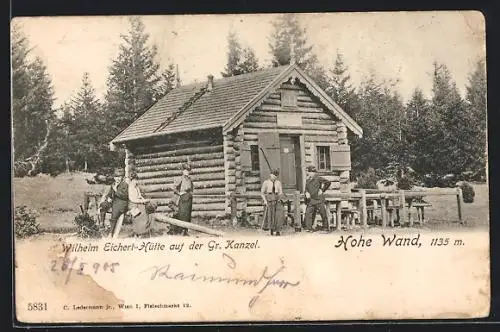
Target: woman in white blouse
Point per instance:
(137, 207)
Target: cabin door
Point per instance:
(290, 173)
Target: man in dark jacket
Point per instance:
(315, 188)
(117, 197)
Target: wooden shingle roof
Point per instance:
(192, 107)
(212, 109)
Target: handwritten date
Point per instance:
(81, 267)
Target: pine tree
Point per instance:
(169, 80)
(381, 114)
(20, 91)
(287, 34)
(340, 87)
(88, 127)
(476, 108)
(32, 99)
(239, 60)
(420, 149)
(134, 79)
(60, 150)
(285, 29)
(233, 56)
(250, 63)
(450, 132)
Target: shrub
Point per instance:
(467, 192)
(367, 180)
(21, 169)
(25, 224)
(87, 226)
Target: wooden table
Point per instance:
(337, 201)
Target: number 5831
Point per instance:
(37, 306)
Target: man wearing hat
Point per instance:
(183, 191)
(315, 187)
(117, 197)
(272, 195)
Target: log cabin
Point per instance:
(232, 131)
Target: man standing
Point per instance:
(117, 196)
(315, 188)
(272, 195)
(183, 191)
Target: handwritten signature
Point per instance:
(267, 277)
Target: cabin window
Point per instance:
(288, 98)
(254, 157)
(323, 161)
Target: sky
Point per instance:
(390, 44)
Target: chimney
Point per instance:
(210, 83)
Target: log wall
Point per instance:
(158, 164)
(215, 158)
(318, 127)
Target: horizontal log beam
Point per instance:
(174, 146)
(300, 104)
(306, 114)
(209, 184)
(195, 178)
(252, 186)
(290, 130)
(330, 122)
(254, 209)
(252, 179)
(163, 218)
(179, 159)
(147, 188)
(181, 152)
(169, 194)
(196, 202)
(194, 165)
(265, 125)
(321, 138)
(178, 172)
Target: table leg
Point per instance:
(338, 213)
(383, 209)
(410, 217)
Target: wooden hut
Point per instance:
(230, 130)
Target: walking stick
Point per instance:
(264, 218)
(118, 226)
(270, 169)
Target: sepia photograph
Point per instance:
(290, 167)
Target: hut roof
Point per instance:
(193, 107)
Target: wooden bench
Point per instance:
(420, 207)
(393, 213)
(347, 216)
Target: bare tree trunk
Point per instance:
(35, 159)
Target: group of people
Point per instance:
(126, 201)
(274, 199)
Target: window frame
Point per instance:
(328, 157)
(289, 98)
(254, 157)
